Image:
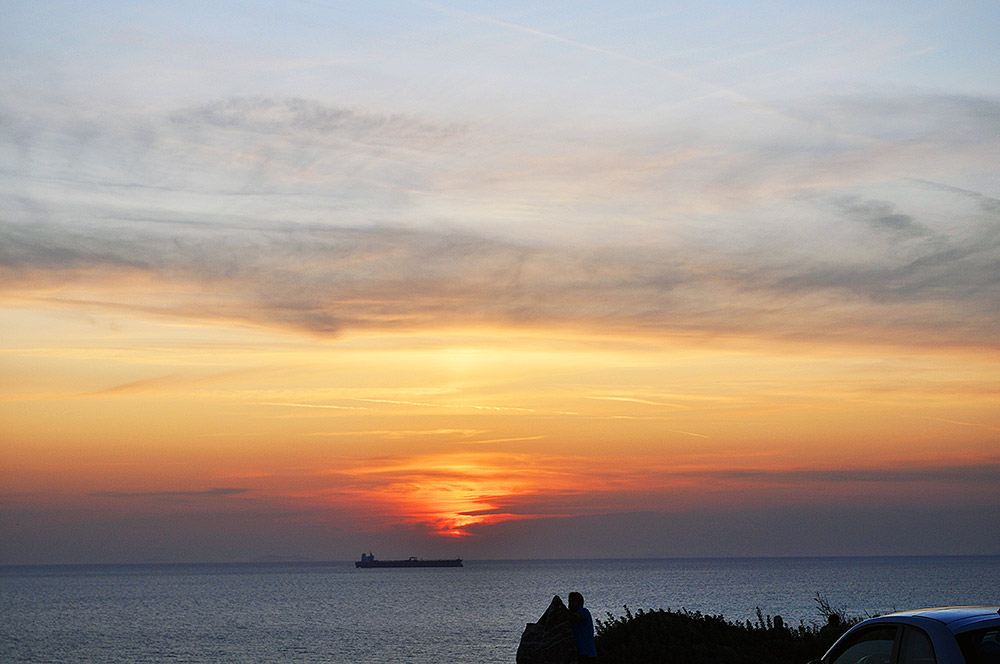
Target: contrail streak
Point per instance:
(711, 89)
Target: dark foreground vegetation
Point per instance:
(690, 637)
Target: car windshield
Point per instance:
(871, 646)
(981, 646)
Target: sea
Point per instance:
(331, 612)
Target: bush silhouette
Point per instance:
(690, 637)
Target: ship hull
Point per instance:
(369, 564)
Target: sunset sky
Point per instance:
(302, 279)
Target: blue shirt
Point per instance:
(583, 632)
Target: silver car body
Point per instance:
(943, 625)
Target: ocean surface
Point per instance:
(332, 612)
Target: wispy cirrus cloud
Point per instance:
(199, 493)
(306, 117)
(325, 280)
(290, 213)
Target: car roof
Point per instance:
(956, 618)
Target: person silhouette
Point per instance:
(583, 628)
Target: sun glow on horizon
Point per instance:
(448, 493)
(485, 427)
(427, 282)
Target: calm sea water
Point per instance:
(332, 612)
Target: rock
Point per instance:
(550, 640)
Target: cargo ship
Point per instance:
(368, 561)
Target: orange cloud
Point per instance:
(447, 493)
(454, 495)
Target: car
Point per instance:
(943, 635)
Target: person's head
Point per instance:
(575, 601)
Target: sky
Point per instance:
(302, 279)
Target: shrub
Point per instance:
(691, 637)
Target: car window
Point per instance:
(981, 646)
(871, 646)
(916, 647)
